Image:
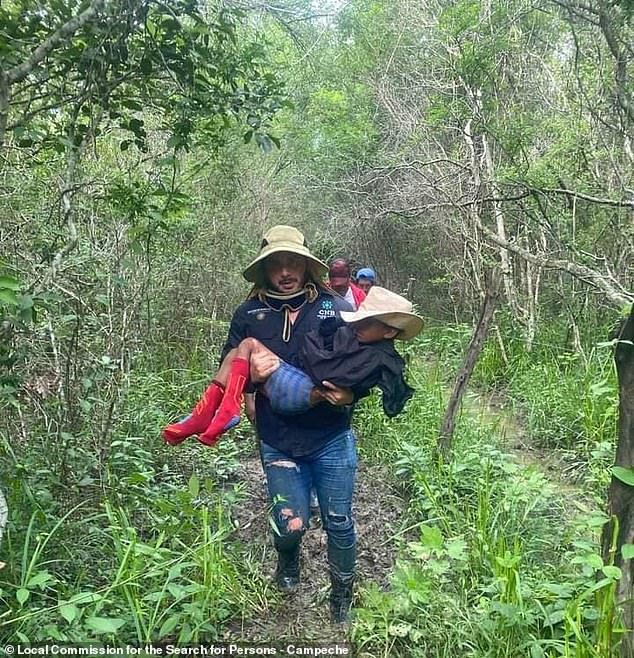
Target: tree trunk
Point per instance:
(5, 97)
(621, 496)
(471, 357)
(500, 225)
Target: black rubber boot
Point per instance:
(340, 600)
(287, 572)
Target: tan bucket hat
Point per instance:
(283, 238)
(391, 309)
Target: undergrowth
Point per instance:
(499, 561)
(134, 544)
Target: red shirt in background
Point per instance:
(357, 294)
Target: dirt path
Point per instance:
(303, 615)
(563, 469)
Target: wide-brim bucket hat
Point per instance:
(283, 238)
(391, 309)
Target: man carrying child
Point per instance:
(304, 427)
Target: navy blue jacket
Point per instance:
(334, 353)
(301, 434)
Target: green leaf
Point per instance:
(600, 388)
(138, 478)
(154, 596)
(175, 571)
(40, 578)
(554, 617)
(457, 549)
(145, 549)
(591, 559)
(626, 475)
(169, 625)
(176, 590)
(431, 537)
(85, 597)
(604, 582)
(9, 283)
(69, 612)
(537, 651)
(22, 595)
(597, 520)
(611, 571)
(8, 297)
(194, 486)
(186, 633)
(104, 624)
(627, 551)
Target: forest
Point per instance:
(466, 150)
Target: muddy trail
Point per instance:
(304, 615)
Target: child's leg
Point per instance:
(228, 414)
(290, 390)
(203, 413)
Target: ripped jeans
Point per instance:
(332, 471)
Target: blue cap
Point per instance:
(366, 273)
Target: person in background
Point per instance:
(366, 278)
(340, 280)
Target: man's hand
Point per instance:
(263, 365)
(336, 395)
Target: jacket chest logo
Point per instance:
(326, 310)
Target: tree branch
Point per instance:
(5, 96)
(586, 197)
(20, 71)
(612, 290)
(620, 62)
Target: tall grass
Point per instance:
(146, 554)
(504, 564)
(569, 398)
(566, 399)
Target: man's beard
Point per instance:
(289, 286)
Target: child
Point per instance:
(356, 353)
